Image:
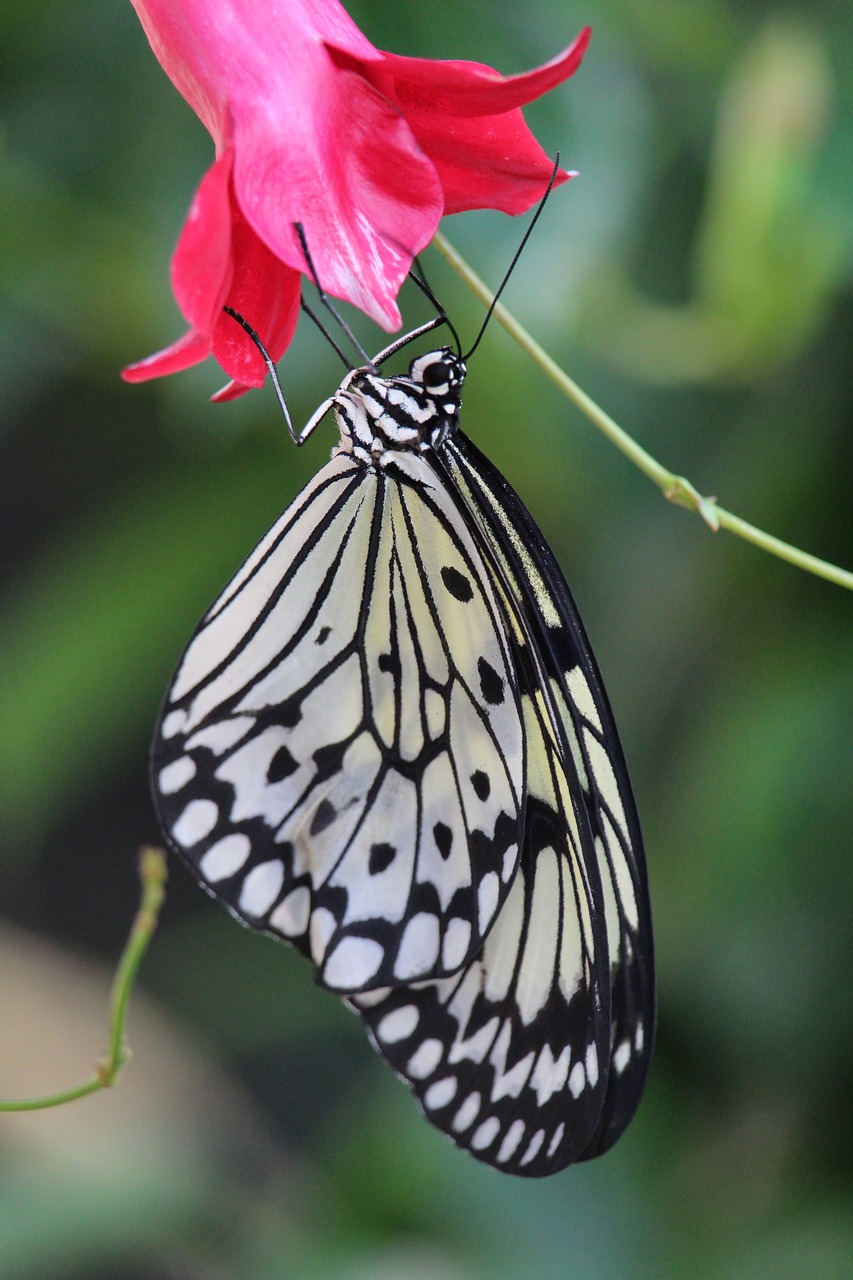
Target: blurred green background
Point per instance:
(696, 279)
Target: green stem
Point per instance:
(674, 488)
(152, 872)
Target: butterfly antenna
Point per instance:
(326, 300)
(400, 343)
(516, 256)
(420, 280)
(271, 369)
(419, 274)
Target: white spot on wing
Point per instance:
(261, 887)
(571, 734)
(464, 995)
(550, 1074)
(225, 857)
(556, 1139)
(621, 873)
(323, 925)
(502, 945)
(367, 999)
(219, 737)
(197, 821)
(467, 1113)
(476, 1046)
(612, 921)
(509, 1084)
(605, 779)
(438, 1095)
(621, 1056)
(418, 947)
(457, 939)
(425, 1059)
(511, 1142)
(485, 1133)
(591, 1063)
(291, 916)
(398, 1024)
(577, 1080)
(173, 723)
(176, 775)
(352, 962)
(533, 1147)
(436, 713)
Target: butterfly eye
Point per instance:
(435, 375)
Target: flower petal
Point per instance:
(353, 175)
(231, 391)
(486, 162)
(315, 126)
(314, 142)
(202, 264)
(456, 88)
(266, 293)
(191, 349)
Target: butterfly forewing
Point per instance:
(340, 756)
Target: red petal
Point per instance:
(319, 121)
(202, 262)
(229, 57)
(231, 391)
(365, 194)
(469, 88)
(266, 294)
(191, 349)
(486, 162)
(313, 142)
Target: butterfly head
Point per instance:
(379, 417)
(441, 373)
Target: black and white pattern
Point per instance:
(388, 743)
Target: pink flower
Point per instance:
(313, 125)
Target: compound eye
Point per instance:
(435, 375)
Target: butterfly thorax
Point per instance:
(380, 417)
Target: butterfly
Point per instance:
(388, 744)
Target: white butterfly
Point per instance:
(388, 744)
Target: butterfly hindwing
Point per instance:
(340, 756)
(582, 714)
(509, 1055)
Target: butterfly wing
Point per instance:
(388, 743)
(535, 1054)
(508, 1056)
(581, 713)
(340, 755)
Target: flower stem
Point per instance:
(674, 488)
(152, 873)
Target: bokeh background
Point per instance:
(696, 279)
